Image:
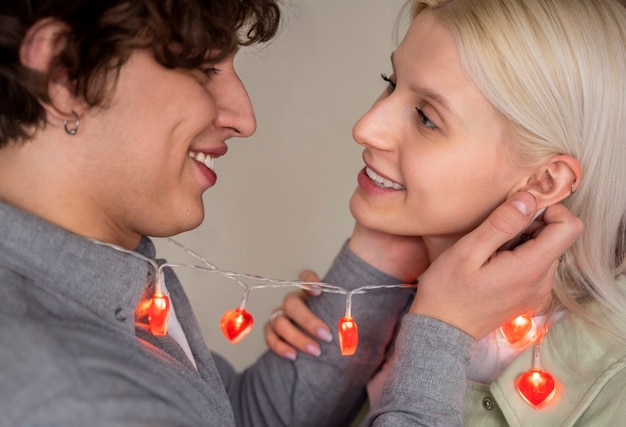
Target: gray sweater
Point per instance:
(72, 355)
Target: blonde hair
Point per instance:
(556, 70)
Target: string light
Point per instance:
(536, 386)
(159, 308)
(520, 331)
(237, 323)
(348, 331)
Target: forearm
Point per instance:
(325, 390)
(426, 384)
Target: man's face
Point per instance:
(148, 155)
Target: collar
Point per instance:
(70, 273)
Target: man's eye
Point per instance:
(209, 71)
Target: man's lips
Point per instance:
(206, 159)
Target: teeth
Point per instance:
(208, 161)
(383, 182)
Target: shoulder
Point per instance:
(64, 374)
(604, 408)
(40, 369)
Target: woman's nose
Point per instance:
(375, 129)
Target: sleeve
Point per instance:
(326, 390)
(426, 384)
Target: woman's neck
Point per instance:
(436, 245)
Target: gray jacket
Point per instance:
(72, 355)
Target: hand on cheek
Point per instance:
(476, 290)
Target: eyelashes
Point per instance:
(391, 84)
(209, 71)
(424, 120)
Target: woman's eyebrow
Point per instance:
(426, 92)
(436, 98)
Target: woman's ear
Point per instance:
(41, 44)
(554, 180)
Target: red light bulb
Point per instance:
(537, 387)
(236, 324)
(348, 336)
(159, 313)
(520, 331)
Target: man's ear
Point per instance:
(554, 180)
(42, 43)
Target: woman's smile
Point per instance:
(383, 182)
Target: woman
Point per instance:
(488, 98)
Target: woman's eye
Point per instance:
(424, 120)
(391, 84)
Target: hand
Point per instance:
(295, 326)
(403, 257)
(475, 289)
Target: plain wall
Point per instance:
(281, 200)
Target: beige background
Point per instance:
(281, 201)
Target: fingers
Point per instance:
(539, 256)
(277, 345)
(506, 222)
(310, 276)
(472, 288)
(294, 327)
(298, 313)
(560, 232)
(503, 225)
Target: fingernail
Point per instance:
(290, 355)
(316, 291)
(313, 350)
(521, 206)
(323, 334)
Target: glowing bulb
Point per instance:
(520, 331)
(348, 336)
(236, 324)
(537, 387)
(158, 313)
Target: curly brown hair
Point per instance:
(102, 34)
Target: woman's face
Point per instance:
(435, 150)
(148, 148)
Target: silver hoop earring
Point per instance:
(73, 130)
(572, 190)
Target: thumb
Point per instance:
(310, 276)
(504, 224)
